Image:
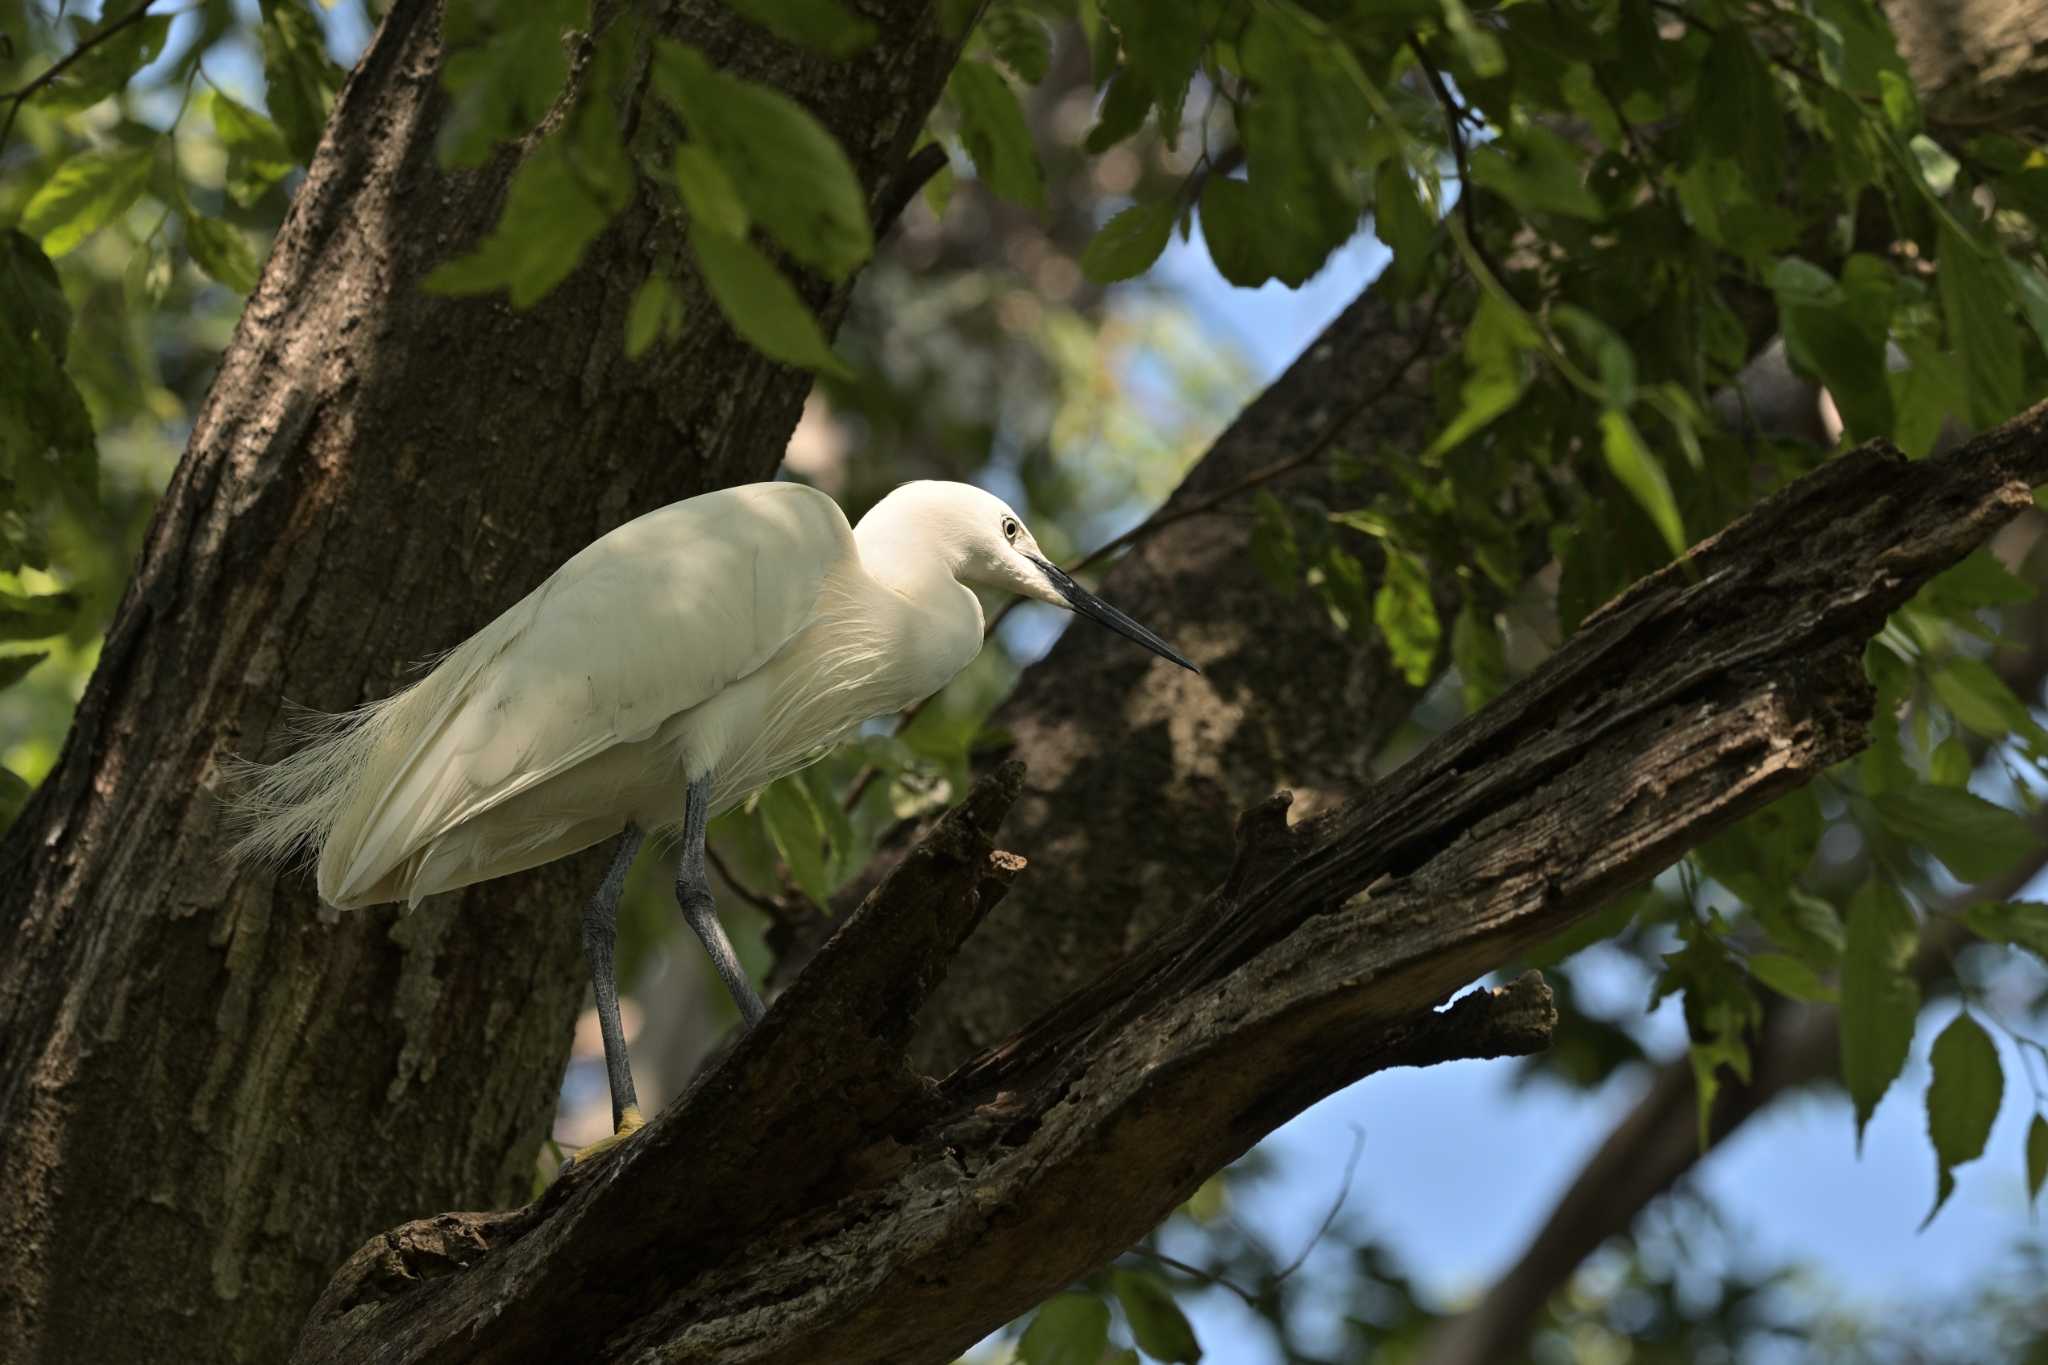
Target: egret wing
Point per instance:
(645, 623)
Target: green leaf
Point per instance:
(1480, 655)
(2032, 289)
(1605, 349)
(1737, 113)
(15, 667)
(791, 173)
(826, 26)
(708, 192)
(1068, 1329)
(762, 305)
(1879, 1000)
(1020, 39)
(1640, 472)
(506, 67)
(1230, 229)
(1406, 615)
(1304, 159)
(35, 617)
(1839, 337)
(1962, 1100)
(222, 251)
(1937, 167)
(799, 836)
(997, 138)
(656, 315)
(43, 420)
(299, 78)
(1973, 300)
(1537, 171)
(1981, 700)
(1975, 838)
(1129, 243)
(1950, 764)
(1804, 923)
(1157, 1324)
(1926, 394)
(1124, 106)
(1478, 46)
(1788, 976)
(257, 155)
(1720, 1013)
(1400, 221)
(2022, 923)
(1163, 44)
(2037, 1157)
(1495, 375)
(1977, 582)
(108, 65)
(1276, 551)
(561, 197)
(85, 194)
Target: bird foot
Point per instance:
(630, 1123)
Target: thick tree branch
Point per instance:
(909, 1219)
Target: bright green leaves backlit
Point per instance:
(749, 160)
(756, 157)
(759, 301)
(506, 65)
(1071, 1329)
(110, 64)
(85, 194)
(789, 172)
(562, 195)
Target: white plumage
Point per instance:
(711, 646)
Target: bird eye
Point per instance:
(1010, 528)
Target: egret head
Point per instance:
(987, 545)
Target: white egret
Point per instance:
(669, 669)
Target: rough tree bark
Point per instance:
(209, 1091)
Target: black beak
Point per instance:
(1095, 609)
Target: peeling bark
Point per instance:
(209, 1091)
(908, 1218)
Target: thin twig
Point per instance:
(767, 905)
(1455, 115)
(16, 98)
(1196, 1272)
(1336, 1206)
(1167, 516)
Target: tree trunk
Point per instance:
(209, 1089)
(899, 1220)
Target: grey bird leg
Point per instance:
(600, 918)
(700, 908)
